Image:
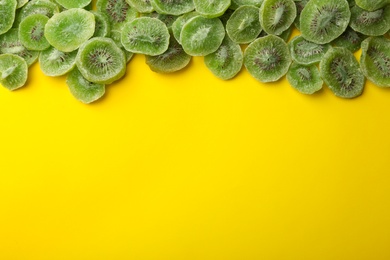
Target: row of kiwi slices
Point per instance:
(92, 41)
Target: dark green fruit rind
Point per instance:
(304, 78)
(341, 72)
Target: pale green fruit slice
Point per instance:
(82, 89)
(119, 12)
(306, 52)
(44, 7)
(102, 24)
(66, 31)
(371, 5)
(211, 8)
(68, 4)
(178, 24)
(7, 14)
(56, 63)
(201, 36)
(13, 71)
(173, 7)
(304, 78)
(142, 6)
(31, 32)
(276, 16)
(374, 23)
(116, 37)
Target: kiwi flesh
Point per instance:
(44, 7)
(267, 59)
(173, 7)
(13, 71)
(371, 5)
(375, 60)
(178, 24)
(304, 78)
(341, 72)
(306, 52)
(102, 24)
(56, 63)
(7, 14)
(211, 8)
(350, 39)
(68, 4)
(323, 21)
(119, 12)
(100, 60)
(276, 16)
(142, 6)
(31, 32)
(370, 23)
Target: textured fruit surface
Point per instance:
(31, 32)
(67, 30)
(267, 59)
(119, 12)
(305, 52)
(145, 35)
(349, 39)
(142, 6)
(7, 14)
(276, 16)
(56, 63)
(201, 36)
(211, 8)
(173, 7)
(178, 24)
(243, 25)
(73, 3)
(304, 78)
(374, 23)
(13, 71)
(341, 72)
(370, 5)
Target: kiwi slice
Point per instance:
(7, 15)
(370, 23)
(268, 58)
(299, 4)
(44, 7)
(306, 52)
(10, 44)
(211, 8)
(119, 12)
(276, 16)
(349, 39)
(66, 31)
(173, 7)
(173, 59)
(142, 6)
(31, 32)
(100, 60)
(201, 36)
(73, 3)
(375, 60)
(145, 35)
(116, 37)
(304, 78)
(285, 35)
(102, 24)
(237, 3)
(56, 63)
(13, 71)
(371, 5)
(227, 61)
(178, 24)
(165, 18)
(243, 25)
(21, 3)
(341, 72)
(226, 16)
(323, 21)
(82, 89)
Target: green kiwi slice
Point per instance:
(276, 16)
(142, 6)
(116, 37)
(44, 7)
(66, 31)
(145, 35)
(341, 72)
(68, 4)
(7, 14)
(31, 32)
(211, 8)
(173, 59)
(286, 34)
(299, 4)
(268, 58)
(306, 52)
(102, 24)
(100, 60)
(119, 12)
(370, 23)
(173, 7)
(371, 5)
(178, 24)
(243, 25)
(304, 78)
(375, 60)
(323, 21)
(82, 89)
(56, 63)
(237, 3)
(349, 39)
(165, 18)
(227, 61)
(10, 44)
(201, 36)
(13, 71)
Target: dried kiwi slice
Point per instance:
(73, 3)
(116, 37)
(119, 12)
(31, 32)
(237, 3)
(304, 78)
(341, 72)
(211, 8)
(371, 5)
(173, 7)
(10, 44)
(243, 25)
(173, 59)
(227, 61)
(44, 7)
(323, 21)
(82, 89)
(145, 35)
(165, 18)
(13, 71)
(349, 39)
(374, 23)
(142, 6)
(56, 63)
(102, 24)
(66, 31)
(305, 52)
(7, 14)
(201, 36)
(299, 4)
(100, 60)
(276, 16)
(178, 24)
(375, 60)
(268, 58)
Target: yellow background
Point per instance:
(187, 166)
